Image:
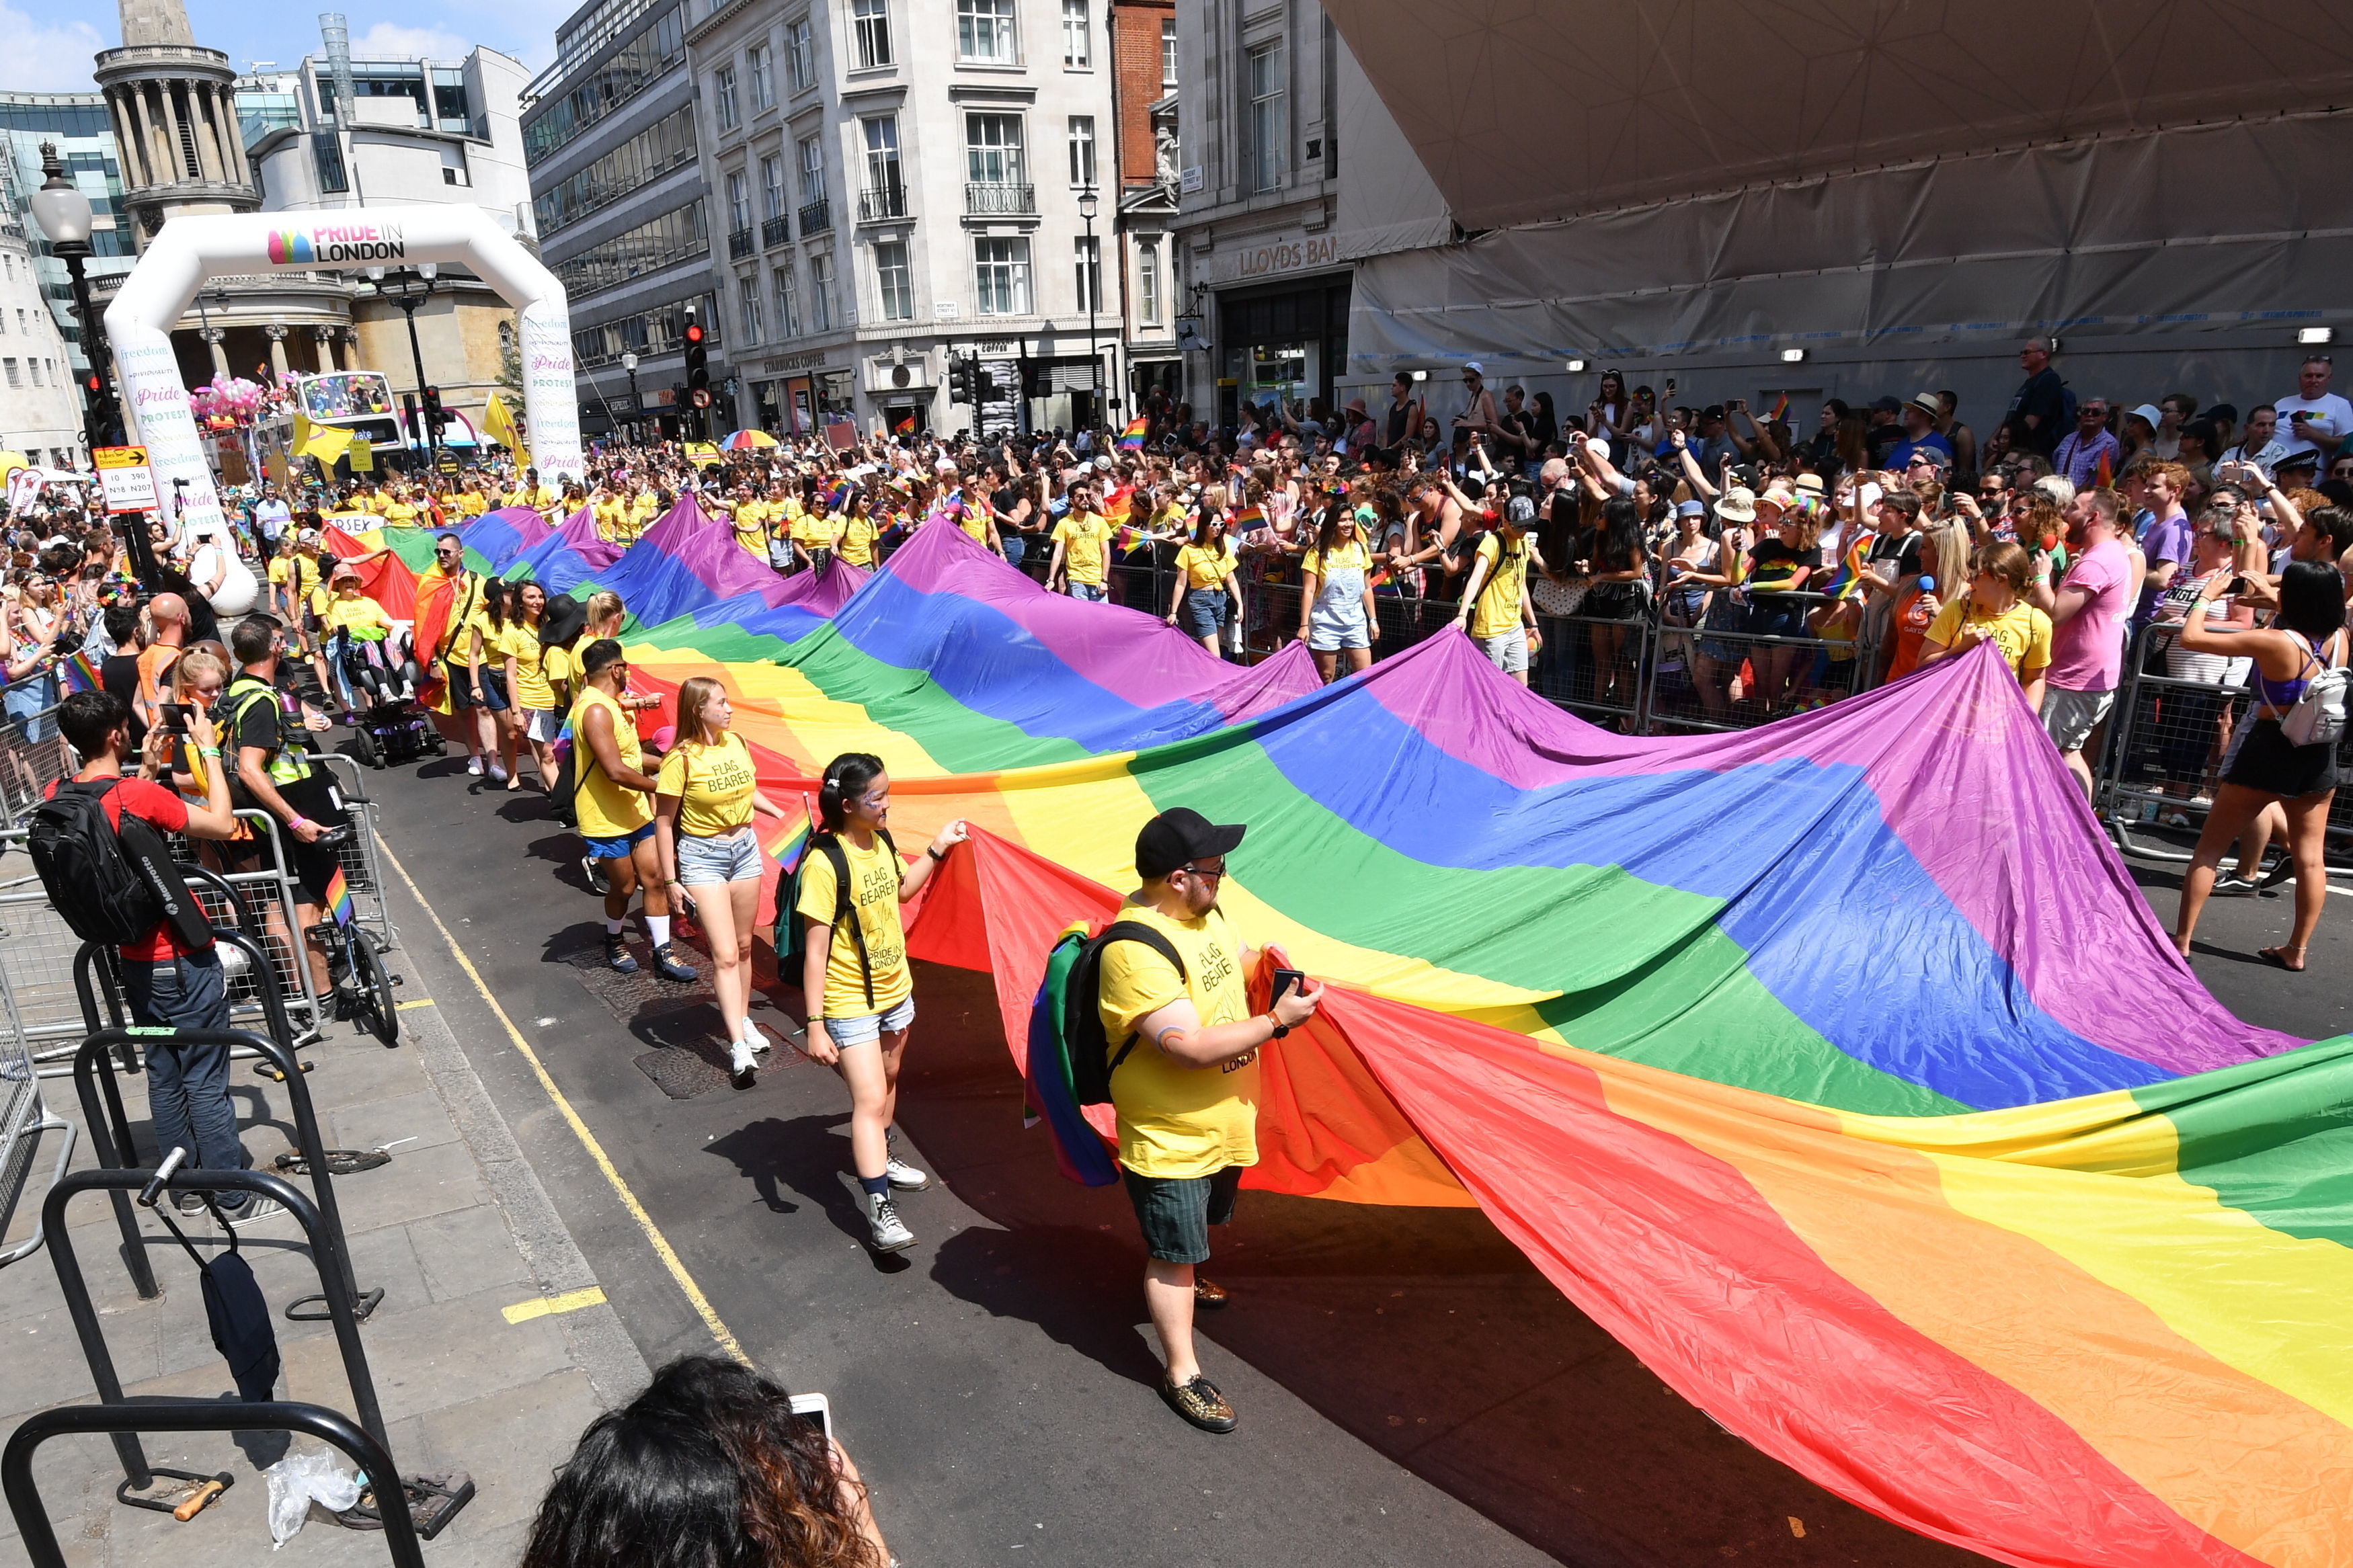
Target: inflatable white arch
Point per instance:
(189, 250)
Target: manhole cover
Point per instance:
(681, 1075)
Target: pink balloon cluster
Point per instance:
(233, 395)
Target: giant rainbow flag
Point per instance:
(1837, 1067)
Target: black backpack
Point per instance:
(1091, 1058)
(791, 931)
(109, 887)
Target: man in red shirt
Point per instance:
(167, 984)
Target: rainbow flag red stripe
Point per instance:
(80, 672)
(1132, 437)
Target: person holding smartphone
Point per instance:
(1187, 1096)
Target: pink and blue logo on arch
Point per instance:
(289, 246)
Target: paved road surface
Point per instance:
(1411, 1390)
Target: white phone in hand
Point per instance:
(814, 1407)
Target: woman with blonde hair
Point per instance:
(706, 797)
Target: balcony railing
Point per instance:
(996, 200)
(816, 217)
(775, 231)
(739, 245)
(882, 202)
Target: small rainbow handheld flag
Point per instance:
(339, 899)
(2106, 475)
(1781, 407)
(795, 844)
(1132, 437)
(80, 673)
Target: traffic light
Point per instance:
(102, 416)
(960, 371)
(433, 413)
(410, 428)
(983, 385)
(698, 360)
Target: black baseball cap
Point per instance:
(1178, 834)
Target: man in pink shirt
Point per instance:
(2088, 612)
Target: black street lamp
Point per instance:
(409, 287)
(63, 214)
(637, 409)
(1088, 204)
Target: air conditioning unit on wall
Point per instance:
(912, 374)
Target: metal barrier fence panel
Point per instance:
(33, 755)
(2172, 730)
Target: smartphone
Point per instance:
(1285, 980)
(175, 718)
(2235, 586)
(816, 1409)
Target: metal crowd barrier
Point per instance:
(28, 765)
(24, 1117)
(360, 855)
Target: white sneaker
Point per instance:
(890, 1235)
(743, 1071)
(905, 1178)
(257, 1209)
(474, 766)
(498, 774)
(756, 1038)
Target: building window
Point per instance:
(812, 170)
(772, 188)
(789, 302)
(1074, 34)
(14, 378)
(993, 149)
(884, 183)
(985, 32)
(327, 153)
(35, 366)
(723, 92)
(739, 203)
(661, 147)
(893, 282)
(800, 53)
(1083, 152)
(762, 62)
(1168, 51)
(869, 22)
(1088, 249)
(747, 291)
(1148, 280)
(1270, 117)
(1001, 276)
(822, 293)
(672, 237)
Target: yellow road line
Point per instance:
(420, 1002)
(548, 1306)
(660, 1243)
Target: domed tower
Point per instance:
(174, 108)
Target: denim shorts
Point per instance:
(1203, 611)
(618, 847)
(731, 858)
(1093, 593)
(865, 1028)
(542, 725)
(1174, 1212)
(461, 689)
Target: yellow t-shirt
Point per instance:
(299, 572)
(606, 809)
(473, 503)
(1085, 540)
(612, 518)
(2022, 632)
(530, 689)
(559, 669)
(1497, 611)
(714, 786)
(855, 543)
(1178, 1122)
(814, 533)
(400, 514)
(1316, 564)
(642, 507)
(1206, 565)
(974, 521)
(874, 876)
(751, 527)
(363, 617)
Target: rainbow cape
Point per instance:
(1837, 1067)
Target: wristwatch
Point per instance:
(1280, 1028)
